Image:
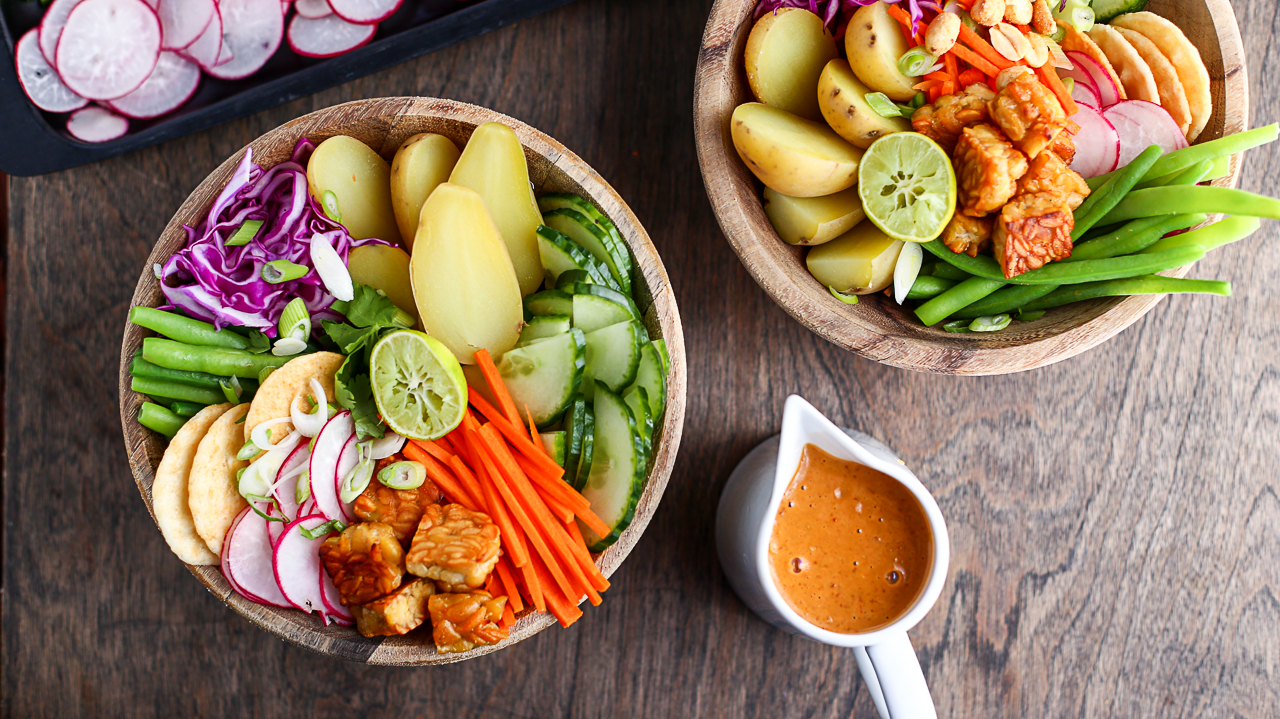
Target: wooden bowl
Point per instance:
(876, 327)
(383, 124)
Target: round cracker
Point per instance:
(212, 489)
(169, 490)
(1184, 57)
(1135, 75)
(1076, 41)
(291, 381)
(1172, 97)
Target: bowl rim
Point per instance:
(737, 206)
(144, 448)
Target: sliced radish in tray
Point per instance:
(51, 27)
(40, 81)
(347, 461)
(324, 464)
(248, 557)
(1097, 143)
(1084, 94)
(96, 124)
(1088, 68)
(313, 9)
(296, 563)
(174, 80)
(1141, 124)
(226, 571)
(364, 12)
(108, 47)
(328, 36)
(251, 33)
(182, 21)
(206, 48)
(333, 601)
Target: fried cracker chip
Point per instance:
(1135, 75)
(213, 489)
(1184, 57)
(169, 491)
(1172, 97)
(274, 398)
(1076, 41)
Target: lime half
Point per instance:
(907, 186)
(418, 385)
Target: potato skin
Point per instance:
(361, 180)
(794, 156)
(812, 220)
(387, 269)
(422, 163)
(873, 43)
(785, 53)
(860, 261)
(841, 97)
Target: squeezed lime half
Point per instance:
(907, 186)
(418, 385)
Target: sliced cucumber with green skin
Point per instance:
(588, 448)
(545, 376)
(596, 307)
(574, 426)
(613, 356)
(662, 352)
(550, 203)
(560, 254)
(597, 241)
(1107, 10)
(549, 302)
(568, 279)
(543, 326)
(617, 468)
(652, 376)
(638, 400)
(556, 444)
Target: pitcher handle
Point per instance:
(892, 673)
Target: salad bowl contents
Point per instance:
(978, 174)
(403, 382)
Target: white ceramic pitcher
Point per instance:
(744, 524)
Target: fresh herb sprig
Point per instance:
(370, 315)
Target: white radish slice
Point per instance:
(296, 561)
(1097, 143)
(96, 124)
(313, 9)
(204, 51)
(1084, 94)
(251, 33)
(324, 463)
(249, 559)
(51, 27)
(347, 461)
(1141, 124)
(285, 488)
(226, 571)
(172, 83)
(364, 12)
(108, 48)
(333, 601)
(1086, 68)
(182, 21)
(39, 80)
(328, 36)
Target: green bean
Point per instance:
(1134, 236)
(1190, 176)
(1144, 285)
(1219, 167)
(950, 272)
(1211, 150)
(1007, 299)
(1111, 268)
(143, 368)
(956, 299)
(159, 419)
(1099, 204)
(1210, 237)
(980, 266)
(175, 390)
(225, 362)
(186, 409)
(1193, 198)
(927, 286)
(185, 329)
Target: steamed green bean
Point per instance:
(1195, 154)
(185, 329)
(1145, 285)
(175, 390)
(927, 286)
(218, 361)
(1096, 208)
(157, 418)
(956, 299)
(1176, 199)
(1210, 237)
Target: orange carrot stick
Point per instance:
(533, 585)
(515, 434)
(533, 431)
(443, 478)
(509, 584)
(490, 372)
(970, 76)
(975, 60)
(564, 609)
(512, 537)
(939, 75)
(580, 550)
(468, 481)
(975, 42)
(904, 20)
(1050, 78)
(433, 448)
(926, 85)
(951, 65)
(508, 617)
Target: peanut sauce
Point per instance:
(851, 546)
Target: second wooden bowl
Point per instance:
(383, 124)
(876, 327)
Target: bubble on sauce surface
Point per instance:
(893, 577)
(798, 564)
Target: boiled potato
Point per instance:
(873, 43)
(422, 162)
(842, 99)
(860, 261)
(794, 156)
(387, 269)
(786, 52)
(463, 281)
(812, 220)
(361, 182)
(493, 165)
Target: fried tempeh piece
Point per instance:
(401, 509)
(944, 120)
(365, 562)
(399, 612)
(987, 170)
(1028, 114)
(454, 546)
(461, 622)
(968, 235)
(1033, 229)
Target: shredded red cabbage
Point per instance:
(836, 13)
(224, 285)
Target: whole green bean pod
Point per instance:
(1195, 154)
(1222, 232)
(185, 329)
(950, 272)
(1005, 300)
(1134, 236)
(1145, 285)
(157, 418)
(225, 362)
(1095, 209)
(186, 409)
(1111, 268)
(956, 299)
(927, 286)
(980, 266)
(1189, 176)
(1193, 198)
(175, 390)
(143, 368)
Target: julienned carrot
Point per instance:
(926, 85)
(533, 585)
(564, 609)
(508, 616)
(947, 87)
(904, 20)
(533, 431)
(1050, 78)
(512, 537)
(971, 76)
(468, 480)
(490, 372)
(442, 477)
(515, 435)
(975, 42)
(509, 584)
(952, 66)
(975, 60)
(939, 75)
(433, 448)
(579, 546)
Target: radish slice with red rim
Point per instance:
(96, 124)
(324, 464)
(249, 559)
(328, 36)
(1097, 76)
(40, 81)
(226, 571)
(108, 48)
(313, 9)
(364, 12)
(173, 82)
(51, 27)
(347, 461)
(1084, 94)
(251, 33)
(1097, 143)
(333, 600)
(182, 21)
(296, 562)
(1141, 124)
(285, 487)
(204, 51)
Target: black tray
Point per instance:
(36, 142)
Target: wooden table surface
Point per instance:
(1114, 519)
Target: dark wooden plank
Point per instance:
(1114, 518)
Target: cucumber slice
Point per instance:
(543, 326)
(575, 426)
(597, 307)
(557, 445)
(545, 376)
(588, 448)
(548, 302)
(569, 278)
(1107, 10)
(560, 254)
(652, 376)
(552, 202)
(617, 468)
(613, 356)
(596, 241)
(662, 352)
(638, 401)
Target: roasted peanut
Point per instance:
(987, 12)
(1037, 51)
(1042, 18)
(1009, 42)
(1017, 12)
(942, 34)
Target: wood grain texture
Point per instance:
(1114, 517)
(880, 329)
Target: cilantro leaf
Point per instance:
(368, 308)
(258, 342)
(353, 389)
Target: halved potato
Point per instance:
(387, 269)
(785, 53)
(873, 43)
(860, 261)
(812, 220)
(422, 162)
(841, 96)
(794, 156)
(360, 180)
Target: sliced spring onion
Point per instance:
(1069, 83)
(967, 20)
(231, 389)
(403, 475)
(387, 446)
(882, 105)
(247, 452)
(158, 270)
(261, 434)
(309, 423)
(1057, 56)
(271, 502)
(245, 232)
(358, 478)
(329, 527)
(906, 270)
(916, 62)
(332, 270)
(263, 374)
(302, 491)
(957, 326)
(330, 203)
(277, 271)
(1083, 17)
(918, 101)
(288, 347)
(993, 323)
(295, 318)
(260, 477)
(847, 299)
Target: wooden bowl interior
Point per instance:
(876, 327)
(384, 124)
